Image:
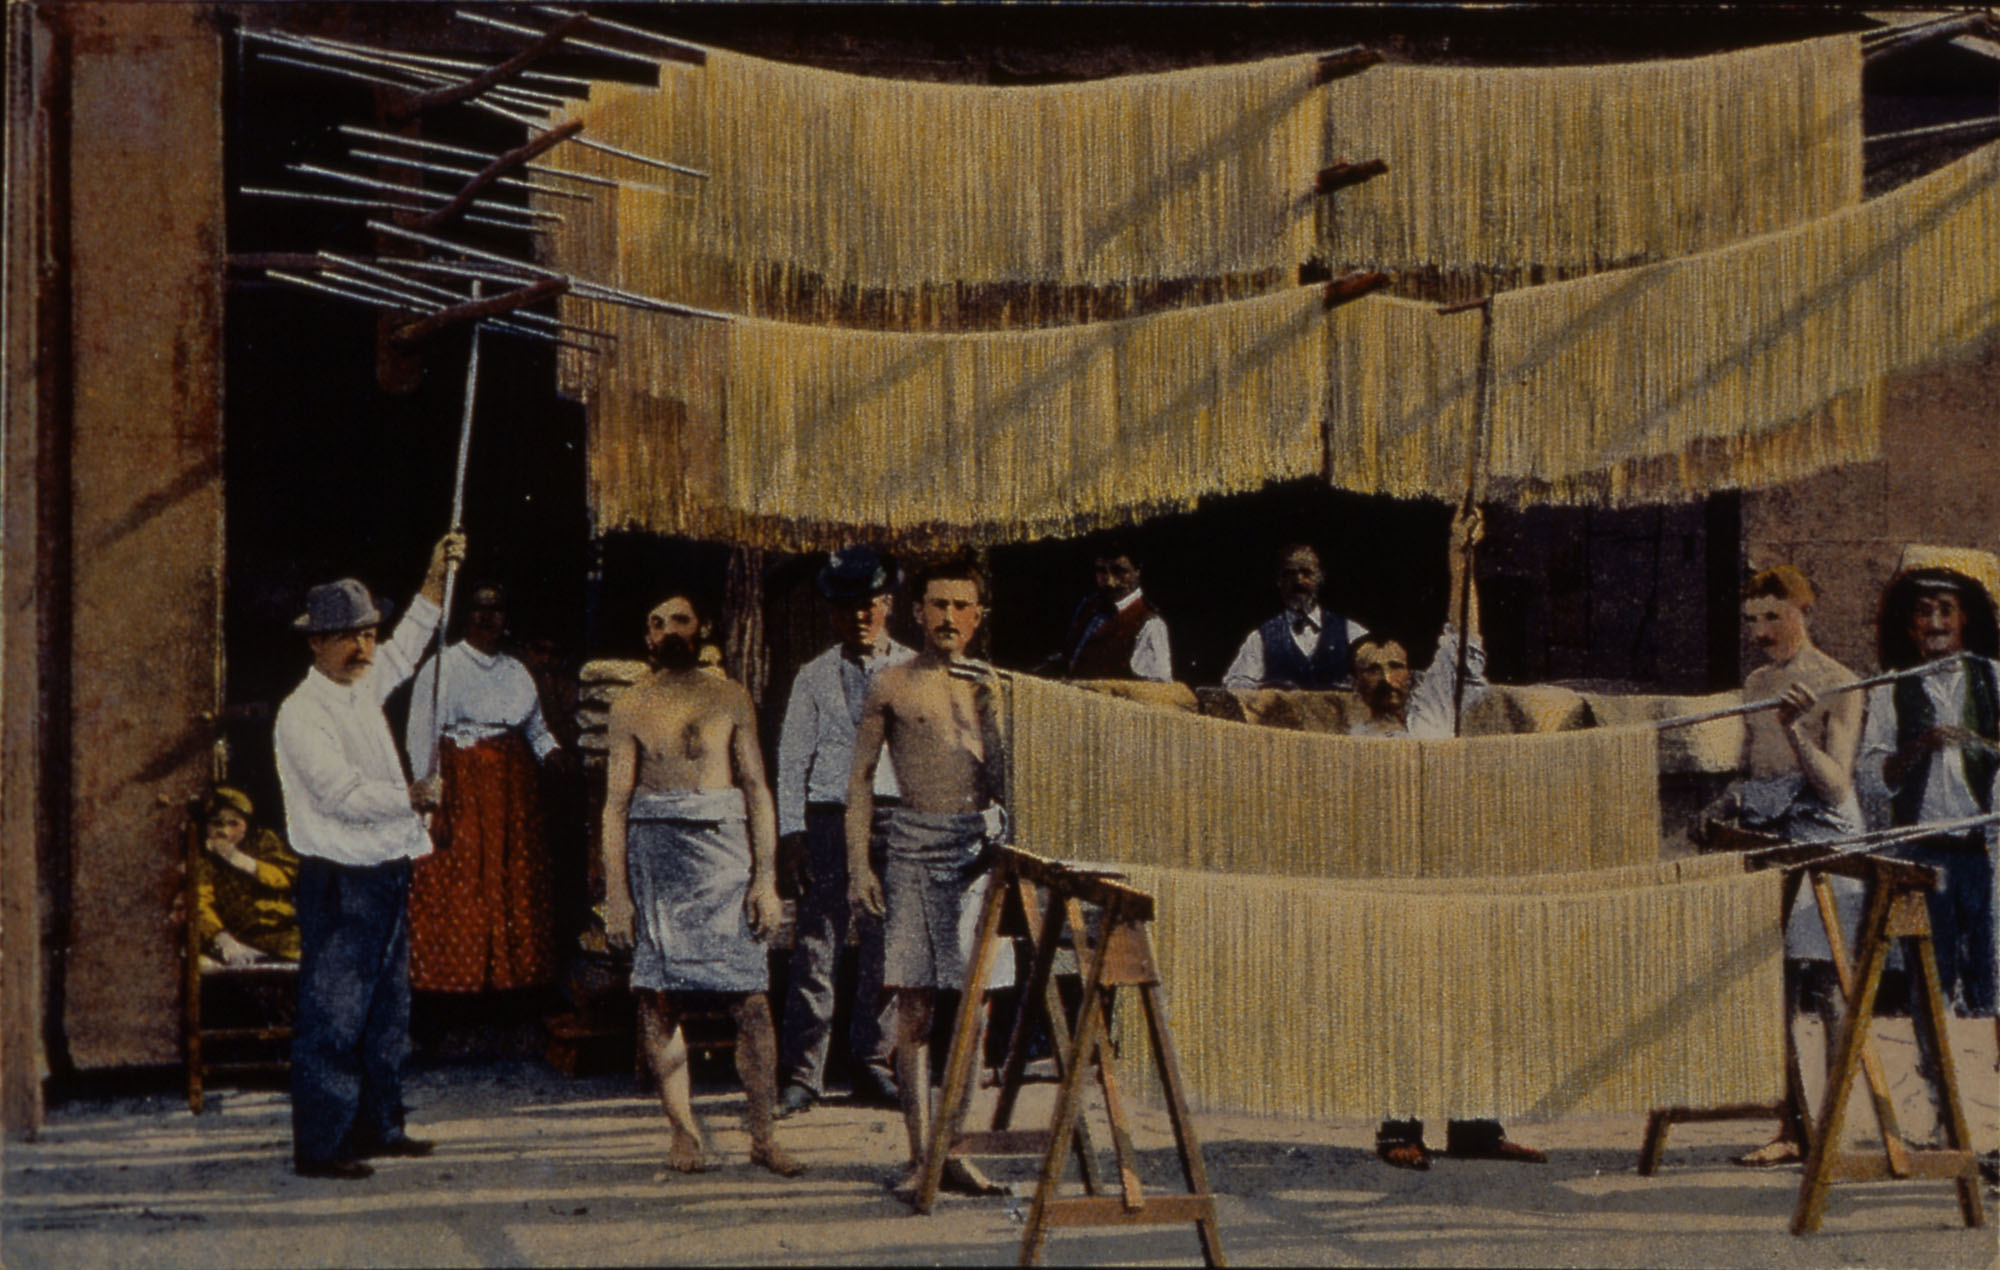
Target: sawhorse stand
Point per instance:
(1792, 1108)
(1121, 956)
(1896, 910)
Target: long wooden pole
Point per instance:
(1772, 703)
(1474, 469)
(457, 526)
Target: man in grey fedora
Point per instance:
(355, 820)
(815, 754)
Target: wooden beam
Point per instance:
(517, 157)
(451, 95)
(1342, 64)
(1352, 287)
(473, 310)
(671, 49)
(1342, 175)
(1921, 36)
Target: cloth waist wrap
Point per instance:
(1786, 805)
(934, 880)
(688, 863)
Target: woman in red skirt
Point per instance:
(481, 914)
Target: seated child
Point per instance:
(243, 883)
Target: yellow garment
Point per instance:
(1095, 778)
(257, 911)
(1506, 177)
(1605, 993)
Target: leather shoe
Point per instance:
(795, 1099)
(402, 1145)
(1503, 1149)
(1403, 1155)
(343, 1168)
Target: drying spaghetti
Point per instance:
(1097, 778)
(1531, 998)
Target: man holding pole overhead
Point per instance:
(354, 820)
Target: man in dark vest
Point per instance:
(1933, 742)
(1304, 646)
(1115, 633)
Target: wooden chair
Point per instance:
(201, 975)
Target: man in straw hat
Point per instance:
(689, 846)
(1933, 743)
(815, 756)
(354, 819)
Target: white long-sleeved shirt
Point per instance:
(1152, 657)
(1947, 793)
(484, 695)
(1247, 671)
(346, 796)
(816, 741)
(1427, 714)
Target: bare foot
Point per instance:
(961, 1177)
(773, 1157)
(1773, 1153)
(685, 1156)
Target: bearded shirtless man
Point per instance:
(686, 887)
(936, 713)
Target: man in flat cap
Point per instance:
(815, 754)
(355, 821)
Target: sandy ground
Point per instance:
(536, 1169)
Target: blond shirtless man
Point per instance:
(936, 714)
(689, 842)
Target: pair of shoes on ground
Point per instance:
(1414, 1155)
(342, 1168)
(795, 1099)
(351, 1165)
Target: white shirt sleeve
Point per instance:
(795, 744)
(310, 752)
(1151, 658)
(1429, 713)
(535, 727)
(395, 660)
(421, 731)
(1878, 742)
(1247, 671)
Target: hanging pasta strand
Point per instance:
(1755, 362)
(899, 204)
(1501, 178)
(1531, 998)
(1097, 778)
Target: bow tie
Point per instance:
(1302, 623)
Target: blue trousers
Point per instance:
(352, 1030)
(1962, 919)
(819, 936)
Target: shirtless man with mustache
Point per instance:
(936, 714)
